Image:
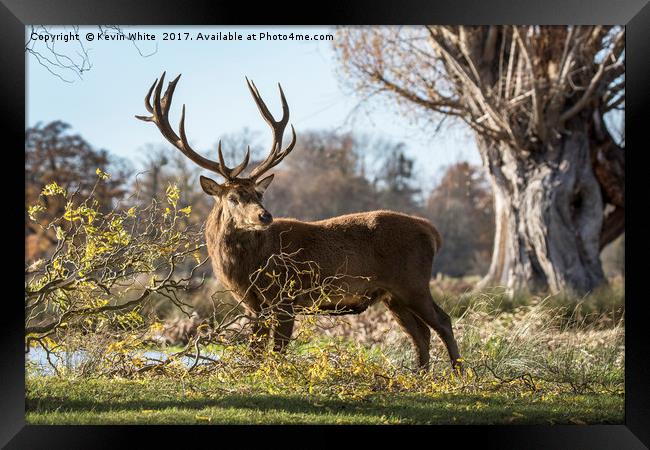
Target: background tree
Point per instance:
(324, 177)
(52, 153)
(461, 207)
(536, 98)
(395, 179)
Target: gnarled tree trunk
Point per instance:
(548, 210)
(536, 98)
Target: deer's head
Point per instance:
(239, 198)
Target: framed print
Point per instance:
(366, 216)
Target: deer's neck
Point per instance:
(235, 252)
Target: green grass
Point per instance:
(167, 401)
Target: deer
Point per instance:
(386, 255)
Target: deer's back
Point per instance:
(387, 246)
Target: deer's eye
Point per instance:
(232, 199)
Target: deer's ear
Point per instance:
(210, 186)
(261, 185)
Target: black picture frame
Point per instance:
(634, 14)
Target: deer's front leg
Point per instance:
(283, 326)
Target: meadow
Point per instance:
(541, 360)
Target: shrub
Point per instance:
(105, 268)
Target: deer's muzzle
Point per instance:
(266, 218)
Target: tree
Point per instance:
(150, 183)
(322, 178)
(54, 154)
(536, 98)
(394, 180)
(461, 207)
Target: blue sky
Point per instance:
(101, 105)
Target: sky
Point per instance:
(100, 104)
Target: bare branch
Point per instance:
(593, 84)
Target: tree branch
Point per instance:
(587, 95)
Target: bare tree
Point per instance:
(536, 98)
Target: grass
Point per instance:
(529, 360)
(166, 401)
(455, 297)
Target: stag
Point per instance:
(386, 256)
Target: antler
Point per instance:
(160, 116)
(276, 154)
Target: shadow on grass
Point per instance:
(445, 408)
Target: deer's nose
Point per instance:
(266, 218)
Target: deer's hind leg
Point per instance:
(412, 325)
(420, 303)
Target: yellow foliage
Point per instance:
(53, 189)
(173, 194)
(102, 175)
(33, 210)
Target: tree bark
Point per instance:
(549, 215)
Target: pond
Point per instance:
(37, 357)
